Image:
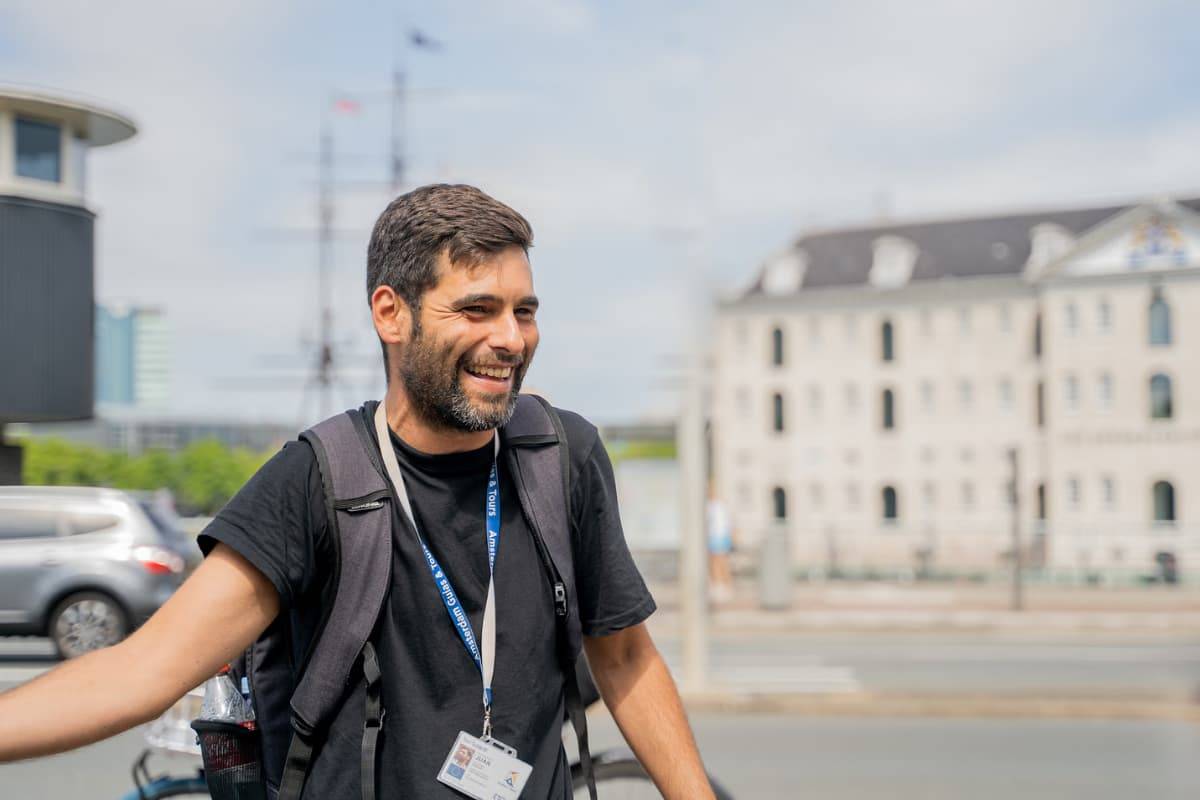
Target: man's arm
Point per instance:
(640, 693)
(216, 614)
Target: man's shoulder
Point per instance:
(582, 435)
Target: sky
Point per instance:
(661, 151)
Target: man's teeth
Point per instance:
(491, 372)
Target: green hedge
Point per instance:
(202, 476)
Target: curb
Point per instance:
(975, 706)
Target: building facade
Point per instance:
(874, 387)
(133, 358)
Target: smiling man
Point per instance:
(452, 299)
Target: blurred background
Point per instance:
(889, 315)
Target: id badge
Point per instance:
(484, 769)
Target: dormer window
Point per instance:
(1048, 243)
(785, 273)
(892, 262)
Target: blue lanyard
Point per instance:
(484, 657)
(446, 590)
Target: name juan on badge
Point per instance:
(484, 769)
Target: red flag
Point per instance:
(344, 105)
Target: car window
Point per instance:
(90, 522)
(28, 523)
(162, 522)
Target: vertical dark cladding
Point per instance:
(46, 311)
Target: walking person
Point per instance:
(720, 545)
(468, 604)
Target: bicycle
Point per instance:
(618, 773)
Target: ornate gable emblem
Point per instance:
(1157, 242)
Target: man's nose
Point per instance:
(506, 334)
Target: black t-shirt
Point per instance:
(431, 686)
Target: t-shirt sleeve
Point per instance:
(271, 521)
(612, 594)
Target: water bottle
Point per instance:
(224, 703)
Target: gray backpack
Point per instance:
(298, 688)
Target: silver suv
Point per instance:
(84, 566)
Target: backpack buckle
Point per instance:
(560, 599)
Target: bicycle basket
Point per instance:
(232, 760)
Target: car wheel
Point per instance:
(87, 621)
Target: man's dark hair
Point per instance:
(418, 226)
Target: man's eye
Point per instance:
(525, 313)
(475, 310)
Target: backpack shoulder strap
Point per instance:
(540, 462)
(357, 501)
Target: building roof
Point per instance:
(957, 248)
(100, 126)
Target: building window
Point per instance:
(1104, 317)
(1074, 492)
(1037, 335)
(1071, 393)
(927, 396)
(777, 412)
(814, 400)
(889, 410)
(851, 327)
(928, 496)
(39, 150)
(887, 336)
(779, 503)
(1108, 489)
(814, 332)
(742, 401)
(967, 493)
(777, 347)
(890, 511)
(1004, 318)
(1105, 392)
(1071, 319)
(1005, 392)
(1164, 502)
(966, 394)
(1160, 320)
(1041, 501)
(964, 320)
(1160, 397)
(1040, 404)
(851, 392)
(926, 322)
(741, 335)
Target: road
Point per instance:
(774, 756)
(880, 662)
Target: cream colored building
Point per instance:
(870, 386)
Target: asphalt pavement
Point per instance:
(768, 756)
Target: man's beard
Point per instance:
(435, 389)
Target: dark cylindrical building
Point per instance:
(46, 259)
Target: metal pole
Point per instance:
(1018, 600)
(693, 569)
(397, 127)
(324, 266)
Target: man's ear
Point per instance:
(391, 315)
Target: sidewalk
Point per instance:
(837, 606)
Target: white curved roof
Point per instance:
(98, 125)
